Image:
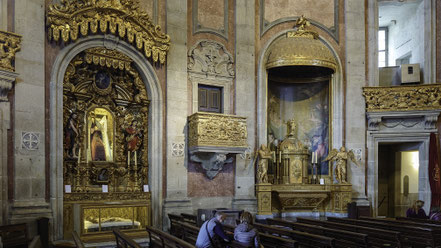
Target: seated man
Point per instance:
(244, 232)
(211, 231)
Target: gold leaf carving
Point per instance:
(72, 16)
(217, 130)
(9, 45)
(402, 98)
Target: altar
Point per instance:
(295, 170)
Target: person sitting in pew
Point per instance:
(435, 214)
(244, 232)
(211, 232)
(417, 211)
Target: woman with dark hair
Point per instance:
(244, 232)
(417, 211)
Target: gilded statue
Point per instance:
(264, 158)
(71, 135)
(301, 23)
(291, 127)
(341, 158)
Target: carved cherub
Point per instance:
(341, 158)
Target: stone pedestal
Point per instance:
(263, 191)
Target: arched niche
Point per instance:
(155, 119)
(277, 44)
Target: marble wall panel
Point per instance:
(200, 186)
(321, 11)
(211, 14)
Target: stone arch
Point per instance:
(337, 93)
(155, 131)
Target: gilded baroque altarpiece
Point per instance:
(105, 117)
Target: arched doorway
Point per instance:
(154, 93)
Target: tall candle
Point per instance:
(128, 158)
(136, 160)
(280, 156)
(315, 157)
(79, 156)
(312, 158)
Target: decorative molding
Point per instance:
(212, 163)
(178, 149)
(403, 98)
(403, 120)
(226, 133)
(7, 79)
(198, 28)
(211, 59)
(265, 26)
(9, 45)
(30, 141)
(121, 18)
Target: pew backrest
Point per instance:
(434, 222)
(174, 227)
(77, 240)
(376, 237)
(190, 218)
(124, 241)
(15, 235)
(160, 238)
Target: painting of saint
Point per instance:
(100, 126)
(71, 135)
(102, 80)
(308, 104)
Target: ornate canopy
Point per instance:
(300, 48)
(72, 18)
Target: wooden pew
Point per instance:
(413, 236)
(14, 235)
(435, 222)
(159, 238)
(77, 240)
(402, 222)
(304, 239)
(174, 227)
(342, 238)
(376, 237)
(124, 241)
(190, 218)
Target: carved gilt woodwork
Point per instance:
(217, 131)
(9, 45)
(72, 19)
(301, 47)
(403, 98)
(105, 109)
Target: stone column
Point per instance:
(7, 79)
(355, 80)
(245, 102)
(29, 201)
(177, 109)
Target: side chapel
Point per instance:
(114, 113)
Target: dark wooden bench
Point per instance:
(304, 239)
(14, 235)
(435, 222)
(342, 238)
(77, 240)
(174, 227)
(159, 238)
(190, 218)
(376, 237)
(268, 240)
(124, 241)
(413, 236)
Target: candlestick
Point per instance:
(312, 158)
(79, 156)
(128, 158)
(315, 157)
(280, 156)
(274, 156)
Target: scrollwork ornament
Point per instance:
(9, 45)
(70, 18)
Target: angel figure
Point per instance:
(340, 166)
(264, 157)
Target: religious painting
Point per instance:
(308, 104)
(102, 80)
(100, 139)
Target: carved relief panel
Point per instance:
(105, 125)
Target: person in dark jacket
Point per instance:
(211, 231)
(244, 232)
(417, 211)
(435, 214)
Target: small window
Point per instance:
(382, 47)
(210, 98)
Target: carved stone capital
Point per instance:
(374, 123)
(430, 121)
(9, 45)
(7, 79)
